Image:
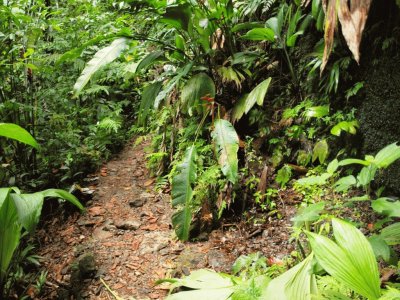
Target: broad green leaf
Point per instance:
(332, 166)
(207, 284)
(257, 95)
(344, 183)
(380, 247)
(205, 279)
(387, 155)
(317, 111)
(350, 161)
(209, 294)
(10, 231)
(390, 294)
(350, 260)
(100, 59)
(246, 26)
(227, 143)
(386, 206)
(260, 34)
(149, 95)
(315, 179)
(29, 208)
(148, 60)
(366, 175)
(283, 176)
(61, 194)
(309, 213)
(182, 194)
(17, 133)
(200, 85)
(297, 283)
(320, 151)
(391, 234)
(348, 126)
(239, 108)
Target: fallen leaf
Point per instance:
(118, 286)
(149, 182)
(150, 227)
(96, 211)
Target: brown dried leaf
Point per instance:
(352, 20)
(330, 25)
(352, 15)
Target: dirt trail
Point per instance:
(126, 239)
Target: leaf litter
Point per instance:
(133, 244)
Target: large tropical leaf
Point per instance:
(386, 206)
(227, 142)
(297, 283)
(391, 234)
(148, 60)
(388, 155)
(10, 231)
(350, 260)
(198, 86)
(206, 284)
(16, 132)
(182, 194)
(100, 59)
(149, 95)
(260, 34)
(257, 95)
(239, 109)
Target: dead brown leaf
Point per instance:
(149, 182)
(352, 15)
(352, 20)
(96, 211)
(330, 25)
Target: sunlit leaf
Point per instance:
(148, 60)
(320, 151)
(350, 260)
(227, 143)
(257, 95)
(391, 234)
(100, 59)
(16, 132)
(297, 283)
(182, 194)
(386, 206)
(260, 34)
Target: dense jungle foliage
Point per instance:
(242, 101)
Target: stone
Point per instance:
(137, 202)
(141, 200)
(127, 224)
(87, 265)
(100, 234)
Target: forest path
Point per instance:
(125, 238)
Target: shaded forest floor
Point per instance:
(126, 239)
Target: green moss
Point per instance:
(379, 113)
